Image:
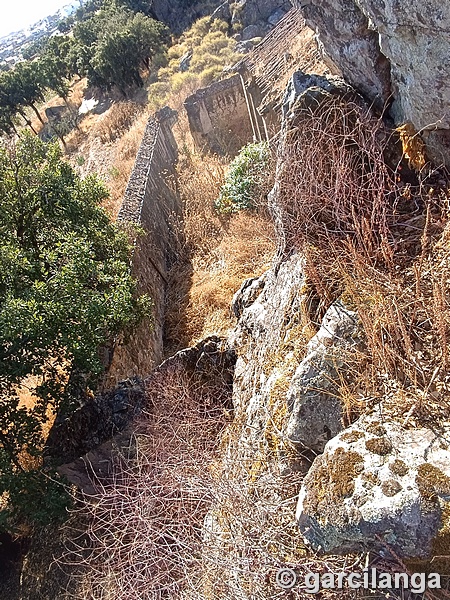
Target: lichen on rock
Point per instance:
(392, 496)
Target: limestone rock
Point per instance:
(343, 31)
(393, 49)
(377, 484)
(314, 405)
(305, 89)
(55, 113)
(247, 45)
(222, 12)
(264, 13)
(269, 309)
(210, 359)
(415, 37)
(247, 294)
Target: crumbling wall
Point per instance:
(150, 202)
(219, 117)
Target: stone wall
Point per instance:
(151, 202)
(219, 118)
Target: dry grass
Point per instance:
(381, 243)
(216, 255)
(185, 515)
(116, 121)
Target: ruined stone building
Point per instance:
(246, 106)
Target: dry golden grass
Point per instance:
(216, 255)
(116, 121)
(382, 244)
(246, 250)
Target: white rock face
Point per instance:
(415, 37)
(396, 49)
(377, 482)
(313, 401)
(268, 309)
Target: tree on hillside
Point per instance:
(7, 115)
(22, 87)
(35, 48)
(55, 65)
(115, 44)
(28, 85)
(65, 292)
(11, 101)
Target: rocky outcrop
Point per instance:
(284, 368)
(256, 17)
(348, 41)
(378, 486)
(306, 90)
(97, 421)
(393, 50)
(313, 396)
(261, 16)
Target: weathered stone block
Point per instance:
(377, 485)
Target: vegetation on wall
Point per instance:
(65, 293)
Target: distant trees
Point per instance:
(20, 87)
(65, 292)
(111, 45)
(114, 45)
(56, 67)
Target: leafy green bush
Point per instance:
(248, 180)
(66, 292)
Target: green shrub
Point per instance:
(248, 180)
(211, 50)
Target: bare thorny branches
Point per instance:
(376, 234)
(186, 516)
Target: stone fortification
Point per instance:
(151, 203)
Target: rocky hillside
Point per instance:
(314, 439)
(393, 52)
(251, 18)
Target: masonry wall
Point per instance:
(151, 202)
(218, 117)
